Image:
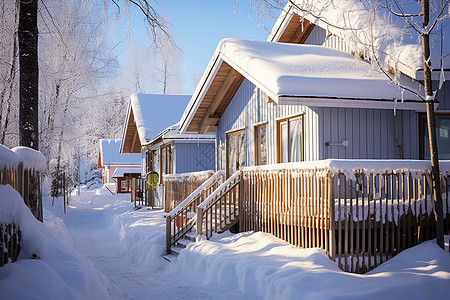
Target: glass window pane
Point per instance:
(295, 140)
(442, 135)
(242, 151)
(231, 154)
(284, 142)
(263, 145)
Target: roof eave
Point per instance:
(346, 102)
(200, 92)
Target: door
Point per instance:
(236, 151)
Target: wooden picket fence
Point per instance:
(29, 185)
(10, 238)
(360, 220)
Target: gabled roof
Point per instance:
(355, 22)
(109, 155)
(120, 172)
(147, 116)
(290, 74)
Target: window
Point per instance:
(260, 140)
(236, 151)
(442, 136)
(290, 139)
(166, 161)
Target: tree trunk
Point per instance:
(437, 195)
(29, 74)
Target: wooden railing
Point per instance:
(182, 218)
(290, 204)
(359, 219)
(376, 216)
(138, 193)
(10, 239)
(178, 186)
(29, 185)
(220, 210)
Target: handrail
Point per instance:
(181, 219)
(217, 176)
(220, 208)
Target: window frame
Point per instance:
(236, 132)
(168, 167)
(287, 121)
(422, 122)
(257, 143)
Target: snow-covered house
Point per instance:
(284, 103)
(151, 129)
(123, 178)
(109, 159)
(343, 25)
(306, 94)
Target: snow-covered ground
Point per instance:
(102, 248)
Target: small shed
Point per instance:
(123, 177)
(109, 159)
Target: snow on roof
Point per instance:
(32, 159)
(281, 69)
(109, 151)
(368, 23)
(8, 159)
(306, 75)
(155, 112)
(119, 172)
(172, 132)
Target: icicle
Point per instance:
(403, 91)
(441, 77)
(395, 107)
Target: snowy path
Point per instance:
(98, 240)
(126, 246)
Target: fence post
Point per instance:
(168, 233)
(199, 222)
(20, 183)
(331, 217)
(241, 201)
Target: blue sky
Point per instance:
(198, 26)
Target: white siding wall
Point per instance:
(248, 108)
(370, 132)
(318, 36)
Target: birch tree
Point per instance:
(8, 73)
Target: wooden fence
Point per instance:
(29, 185)
(10, 238)
(360, 220)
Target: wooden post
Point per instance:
(20, 175)
(199, 223)
(241, 202)
(168, 234)
(332, 212)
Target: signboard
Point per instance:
(152, 179)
